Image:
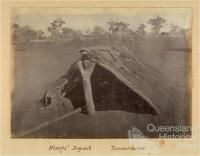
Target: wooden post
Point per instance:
(86, 68)
(130, 44)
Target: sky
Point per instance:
(86, 18)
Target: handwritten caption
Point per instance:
(76, 148)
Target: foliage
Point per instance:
(141, 30)
(117, 30)
(23, 33)
(40, 34)
(156, 24)
(56, 28)
(116, 27)
(177, 30)
(68, 32)
(98, 31)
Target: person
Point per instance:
(86, 68)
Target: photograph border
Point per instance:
(99, 146)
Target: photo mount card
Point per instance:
(99, 78)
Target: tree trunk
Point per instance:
(88, 95)
(86, 74)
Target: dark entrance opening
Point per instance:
(109, 93)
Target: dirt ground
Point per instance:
(38, 64)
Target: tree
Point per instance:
(111, 26)
(68, 32)
(141, 30)
(40, 34)
(28, 34)
(56, 28)
(122, 27)
(117, 29)
(87, 32)
(175, 29)
(23, 33)
(156, 24)
(77, 34)
(98, 31)
(16, 32)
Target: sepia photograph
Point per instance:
(99, 78)
(101, 73)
